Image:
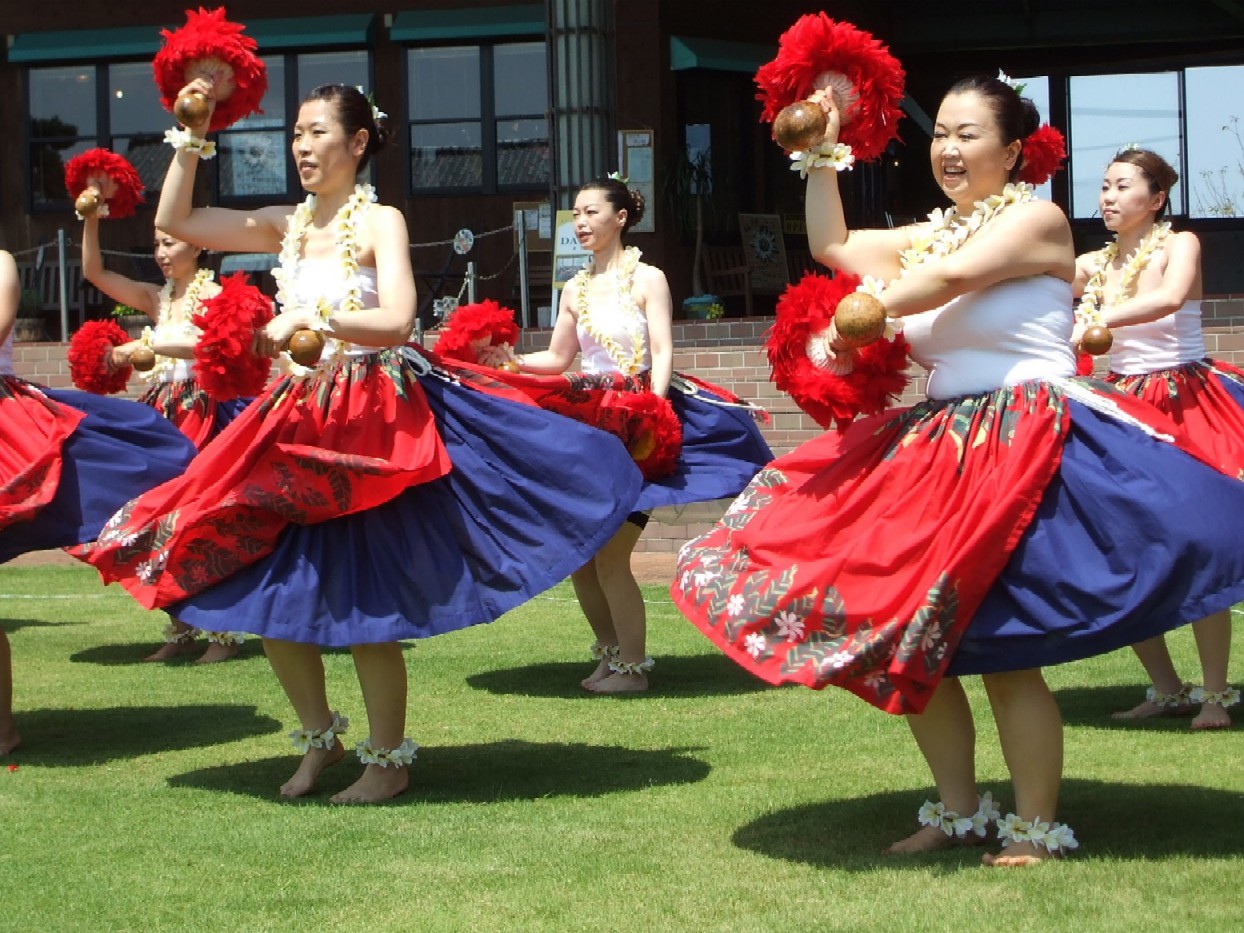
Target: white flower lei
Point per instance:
(1094, 301)
(629, 364)
(346, 221)
(166, 327)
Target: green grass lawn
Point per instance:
(144, 797)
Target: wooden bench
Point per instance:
(726, 274)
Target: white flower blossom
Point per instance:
(755, 644)
(735, 605)
(789, 625)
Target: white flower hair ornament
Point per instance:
(376, 113)
(1016, 86)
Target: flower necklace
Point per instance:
(949, 230)
(167, 327)
(628, 363)
(346, 221)
(1093, 303)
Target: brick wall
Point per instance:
(729, 353)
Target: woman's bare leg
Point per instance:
(946, 737)
(381, 671)
(1213, 645)
(1156, 660)
(1030, 731)
(180, 641)
(595, 607)
(300, 670)
(626, 609)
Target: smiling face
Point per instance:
(1127, 199)
(597, 223)
(176, 258)
(323, 154)
(969, 159)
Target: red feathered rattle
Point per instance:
(833, 388)
(214, 49)
(864, 78)
(103, 183)
(471, 328)
(224, 359)
(649, 427)
(88, 358)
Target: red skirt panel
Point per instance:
(911, 514)
(1203, 399)
(184, 403)
(307, 450)
(33, 428)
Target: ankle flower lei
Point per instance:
(952, 824)
(628, 363)
(166, 327)
(306, 739)
(1223, 698)
(346, 222)
(1053, 837)
(1093, 303)
(401, 757)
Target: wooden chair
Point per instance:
(726, 274)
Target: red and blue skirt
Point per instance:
(192, 410)
(381, 499)
(69, 460)
(718, 443)
(1027, 526)
(1205, 399)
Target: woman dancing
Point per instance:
(370, 497)
(1146, 287)
(964, 535)
(172, 389)
(617, 312)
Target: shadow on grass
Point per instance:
(78, 737)
(687, 676)
(12, 625)
(1111, 820)
(1091, 707)
(487, 773)
(114, 655)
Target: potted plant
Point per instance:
(131, 320)
(688, 190)
(28, 326)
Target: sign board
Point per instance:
(568, 256)
(538, 219)
(635, 156)
(765, 251)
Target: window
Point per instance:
(1215, 169)
(117, 106)
(478, 117)
(1111, 111)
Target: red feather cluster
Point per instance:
(814, 44)
(100, 162)
(88, 352)
(224, 362)
(471, 323)
(207, 34)
(1044, 152)
(880, 368)
(648, 426)
(1084, 364)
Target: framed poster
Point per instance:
(765, 251)
(635, 148)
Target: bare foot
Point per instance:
(1212, 716)
(932, 839)
(172, 649)
(10, 740)
(376, 785)
(313, 762)
(217, 652)
(619, 683)
(1018, 855)
(601, 672)
(1151, 710)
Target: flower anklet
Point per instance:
(631, 667)
(306, 739)
(1053, 837)
(1181, 697)
(175, 636)
(1224, 698)
(227, 639)
(952, 824)
(602, 652)
(400, 757)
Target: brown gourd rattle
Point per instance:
(1097, 340)
(143, 358)
(859, 319)
(305, 346)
